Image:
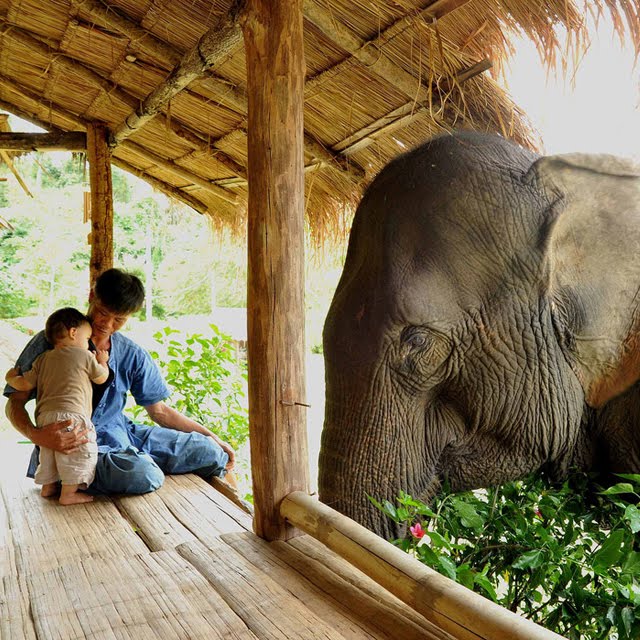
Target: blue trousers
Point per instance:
(154, 452)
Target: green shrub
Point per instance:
(208, 382)
(564, 556)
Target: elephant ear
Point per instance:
(593, 250)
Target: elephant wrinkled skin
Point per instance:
(485, 325)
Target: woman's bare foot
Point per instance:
(51, 489)
(71, 495)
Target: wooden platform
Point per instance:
(180, 563)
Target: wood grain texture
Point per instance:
(264, 605)
(99, 159)
(447, 604)
(155, 595)
(336, 601)
(275, 294)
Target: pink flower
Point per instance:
(417, 531)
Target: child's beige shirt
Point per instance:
(63, 380)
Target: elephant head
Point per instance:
(488, 306)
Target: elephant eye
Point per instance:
(416, 340)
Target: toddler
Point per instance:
(62, 378)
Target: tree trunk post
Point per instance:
(99, 158)
(275, 296)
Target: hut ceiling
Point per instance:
(168, 78)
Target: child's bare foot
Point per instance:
(71, 495)
(51, 489)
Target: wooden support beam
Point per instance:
(51, 141)
(275, 295)
(182, 172)
(214, 47)
(163, 187)
(401, 117)
(107, 87)
(6, 158)
(449, 605)
(173, 192)
(99, 159)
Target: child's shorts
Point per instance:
(78, 467)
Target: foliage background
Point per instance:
(566, 556)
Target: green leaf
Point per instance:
(621, 487)
(631, 565)
(438, 540)
(628, 617)
(529, 560)
(469, 517)
(632, 515)
(447, 567)
(609, 553)
(482, 581)
(465, 575)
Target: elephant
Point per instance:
(485, 324)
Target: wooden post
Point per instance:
(275, 80)
(101, 201)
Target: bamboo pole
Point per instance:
(101, 201)
(447, 604)
(275, 295)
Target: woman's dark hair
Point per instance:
(119, 291)
(60, 321)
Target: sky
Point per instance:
(599, 113)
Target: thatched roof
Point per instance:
(381, 77)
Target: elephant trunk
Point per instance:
(367, 451)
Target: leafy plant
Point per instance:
(565, 556)
(208, 382)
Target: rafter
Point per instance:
(111, 89)
(169, 190)
(212, 48)
(79, 122)
(144, 41)
(182, 172)
(371, 52)
(51, 141)
(400, 117)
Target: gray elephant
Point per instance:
(485, 325)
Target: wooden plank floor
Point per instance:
(180, 563)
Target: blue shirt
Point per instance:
(134, 371)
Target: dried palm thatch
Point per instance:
(382, 76)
